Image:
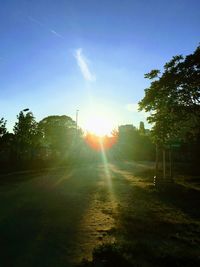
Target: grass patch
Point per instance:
(49, 218)
(153, 227)
(136, 254)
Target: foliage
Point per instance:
(3, 133)
(58, 132)
(26, 132)
(173, 98)
(26, 127)
(135, 143)
(3, 129)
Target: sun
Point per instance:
(98, 125)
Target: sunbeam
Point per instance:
(106, 167)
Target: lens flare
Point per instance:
(97, 142)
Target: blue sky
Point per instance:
(91, 55)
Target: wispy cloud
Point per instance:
(34, 20)
(82, 62)
(57, 34)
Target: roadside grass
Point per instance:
(155, 227)
(44, 215)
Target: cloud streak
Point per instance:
(36, 21)
(83, 65)
(57, 34)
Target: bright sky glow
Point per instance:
(99, 120)
(56, 58)
(98, 125)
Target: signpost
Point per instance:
(167, 169)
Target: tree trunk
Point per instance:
(170, 163)
(164, 164)
(156, 163)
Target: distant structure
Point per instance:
(126, 128)
(142, 128)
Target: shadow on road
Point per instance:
(41, 217)
(57, 217)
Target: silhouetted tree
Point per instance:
(26, 134)
(173, 99)
(3, 132)
(59, 133)
(3, 129)
(134, 144)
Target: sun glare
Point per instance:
(99, 126)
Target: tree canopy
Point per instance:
(3, 129)
(173, 98)
(26, 133)
(57, 132)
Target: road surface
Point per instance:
(57, 217)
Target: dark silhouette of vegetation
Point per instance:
(58, 134)
(27, 136)
(173, 100)
(4, 140)
(3, 130)
(135, 143)
(57, 140)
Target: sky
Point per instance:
(57, 57)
